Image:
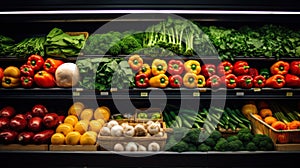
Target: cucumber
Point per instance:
(179, 121)
(233, 115)
(232, 126)
(186, 123)
(197, 125)
(173, 115)
(242, 125)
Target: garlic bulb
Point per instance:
(112, 123)
(131, 146)
(105, 131)
(116, 130)
(118, 147)
(153, 146)
(141, 148)
(129, 131)
(140, 130)
(154, 128)
(160, 134)
(124, 124)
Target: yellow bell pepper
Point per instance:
(192, 66)
(190, 80)
(160, 80)
(200, 81)
(159, 66)
(11, 77)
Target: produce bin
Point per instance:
(260, 127)
(74, 147)
(20, 147)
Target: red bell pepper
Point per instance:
(51, 65)
(259, 81)
(141, 80)
(241, 68)
(280, 67)
(175, 81)
(36, 62)
(275, 81)
(292, 80)
(213, 81)
(26, 70)
(26, 81)
(175, 67)
(245, 81)
(1, 73)
(295, 67)
(253, 72)
(225, 68)
(44, 79)
(208, 70)
(231, 81)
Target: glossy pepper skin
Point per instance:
(259, 81)
(26, 81)
(192, 66)
(225, 68)
(190, 80)
(201, 81)
(208, 70)
(245, 81)
(253, 72)
(231, 81)
(160, 81)
(295, 67)
(145, 69)
(36, 62)
(1, 73)
(51, 65)
(240, 68)
(280, 67)
(135, 62)
(26, 70)
(175, 67)
(44, 79)
(175, 81)
(11, 77)
(141, 80)
(213, 81)
(292, 80)
(265, 72)
(275, 81)
(159, 66)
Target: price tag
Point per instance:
(76, 93)
(289, 94)
(144, 94)
(240, 94)
(79, 89)
(103, 93)
(113, 89)
(257, 89)
(196, 94)
(202, 89)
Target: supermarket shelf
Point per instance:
(154, 93)
(161, 159)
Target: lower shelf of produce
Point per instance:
(147, 159)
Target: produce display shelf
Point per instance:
(155, 93)
(165, 159)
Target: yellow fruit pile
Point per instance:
(81, 126)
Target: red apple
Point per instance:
(39, 110)
(8, 136)
(50, 120)
(35, 124)
(4, 123)
(18, 124)
(25, 137)
(7, 111)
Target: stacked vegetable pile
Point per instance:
(244, 140)
(6, 43)
(81, 126)
(33, 127)
(38, 72)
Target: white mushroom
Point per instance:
(116, 131)
(129, 131)
(118, 147)
(154, 128)
(153, 146)
(140, 130)
(104, 131)
(131, 146)
(112, 123)
(141, 148)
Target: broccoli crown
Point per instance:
(232, 138)
(203, 147)
(180, 147)
(179, 133)
(114, 50)
(263, 142)
(170, 143)
(129, 44)
(245, 135)
(235, 145)
(210, 142)
(216, 135)
(192, 147)
(221, 145)
(192, 136)
(251, 146)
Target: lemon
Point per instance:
(81, 126)
(87, 114)
(64, 128)
(95, 125)
(73, 138)
(76, 109)
(88, 138)
(58, 139)
(71, 119)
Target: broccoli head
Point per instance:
(251, 146)
(245, 135)
(114, 50)
(192, 136)
(235, 145)
(192, 147)
(221, 145)
(263, 142)
(210, 142)
(232, 138)
(130, 45)
(204, 148)
(180, 147)
(170, 143)
(216, 135)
